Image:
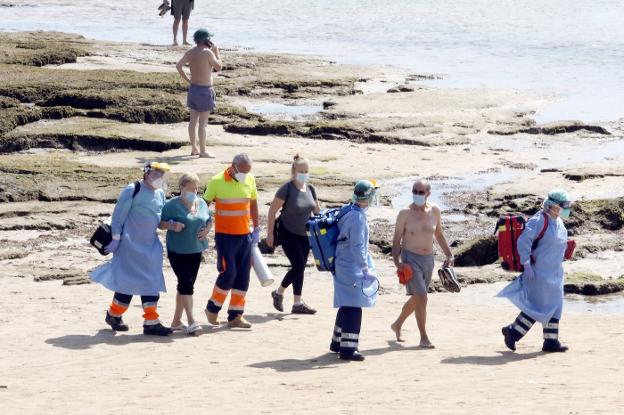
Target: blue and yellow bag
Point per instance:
(323, 232)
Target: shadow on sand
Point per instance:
(327, 360)
(501, 359)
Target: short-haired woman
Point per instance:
(298, 202)
(185, 247)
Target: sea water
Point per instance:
(569, 49)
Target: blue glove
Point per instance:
(112, 247)
(255, 235)
(528, 274)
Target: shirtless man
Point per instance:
(412, 247)
(202, 60)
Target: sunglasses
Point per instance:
(419, 192)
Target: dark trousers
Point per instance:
(121, 302)
(233, 264)
(347, 330)
(185, 267)
(297, 250)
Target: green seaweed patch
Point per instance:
(587, 283)
(41, 49)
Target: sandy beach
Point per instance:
(74, 132)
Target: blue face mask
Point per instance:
(419, 200)
(565, 213)
(302, 177)
(190, 196)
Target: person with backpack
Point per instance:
(137, 264)
(298, 202)
(354, 271)
(538, 292)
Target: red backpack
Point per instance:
(509, 228)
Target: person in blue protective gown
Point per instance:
(136, 266)
(354, 273)
(538, 292)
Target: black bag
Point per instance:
(103, 235)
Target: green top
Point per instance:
(186, 242)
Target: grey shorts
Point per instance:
(182, 8)
(201, 98)
(422, 265)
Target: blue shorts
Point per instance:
(201, 98)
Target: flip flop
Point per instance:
(164, 10)
(426, 346)
(193, 328)
(449, 279)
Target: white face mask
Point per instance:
(419, 200)
(302, 177)
(240, 177)
(157, 183)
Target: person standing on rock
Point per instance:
(538, 292)
(202, 60)
(298, 202)
(137, 264)
(235, 196)
(185, 248)
(412, 246)
(354, 271)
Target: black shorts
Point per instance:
(182, 8)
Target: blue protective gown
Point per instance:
(351, 256)
(541, 298)
(136, 267)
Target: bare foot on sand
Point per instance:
(207, 155)
(426, 344)
(175, 43)
(185, 43)
(194, 152)
(397, 332)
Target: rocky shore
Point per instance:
(79, 117)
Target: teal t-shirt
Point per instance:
(186, 242)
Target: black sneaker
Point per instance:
(302, 308)
(157, 330)
(116, 323)
(278, 300)
(334, 347)
(554, 346)
(509, 340)
(355, 356)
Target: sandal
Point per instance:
(193, 328)
(179, 327)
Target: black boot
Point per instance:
(355, 356)
(157, 330)
(553, 346)
(509, 338)
(116, 323)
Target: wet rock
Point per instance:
(477, 252)
(592, 284)
(261, 128)
(561, 127)
(39, 49)
(400, 88)
(6, 102)
(11, 118)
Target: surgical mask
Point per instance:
(419, 200)
(302, 177)
(565, 213)
(240, 177)
(157, 183)
(190, 196)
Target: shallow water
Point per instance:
(571, 48)
(277, 111)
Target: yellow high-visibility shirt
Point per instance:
(232, 202)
